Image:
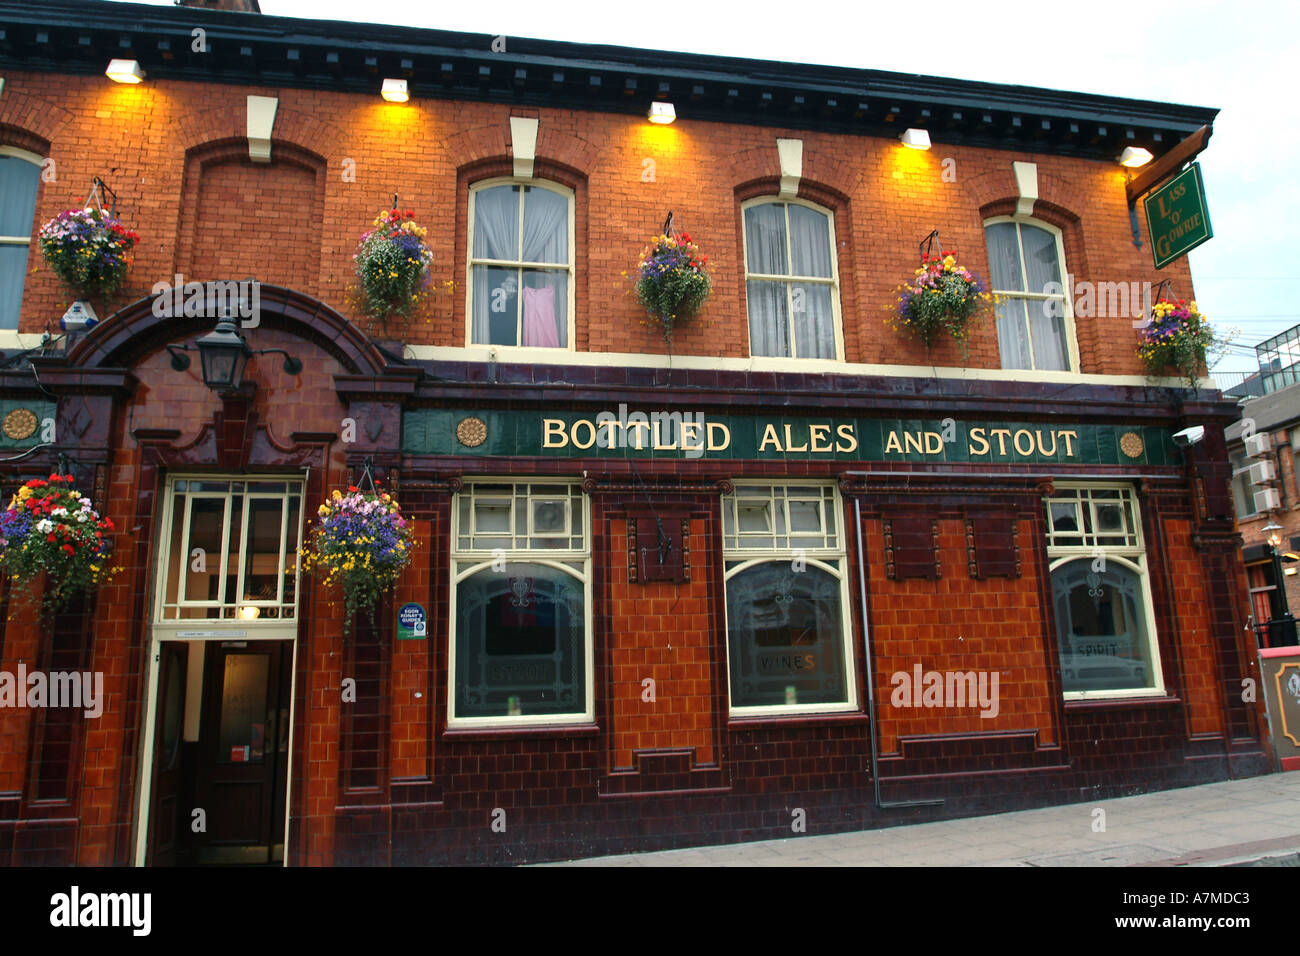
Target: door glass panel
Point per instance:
(242, 738)
(177, 557)
(232, 555)
(289, 598)
(262, 556)
(203, 569)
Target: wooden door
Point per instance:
(165, 823)
(243, 752)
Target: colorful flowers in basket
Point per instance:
(50, 529)
(1177, 338)
(942, 297)
(362, 543)
(89, 250)
(671, 282)
(392, 265)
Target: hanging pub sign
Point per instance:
(1177, 219)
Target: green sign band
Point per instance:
(1177, 218)
(677, 436)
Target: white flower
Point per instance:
(61, 511)
(45, 526)
(81, 517)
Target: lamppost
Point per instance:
(1281, 630)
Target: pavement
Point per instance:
(1255, 821)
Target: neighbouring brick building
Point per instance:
(654, 644)
(1262, 449)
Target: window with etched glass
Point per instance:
(521, 265)
(231, 550)
(521, 628)
(791, 281)
(1101, 592)
(1034, 321)
(20, 177)
(787, 601)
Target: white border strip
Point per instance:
(535, 356)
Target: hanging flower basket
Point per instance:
(1177, 339)
(392, 266)
(671, 282)
(361, 543)
(942, 299)
(89, 250)
(50, 529)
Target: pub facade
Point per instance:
(786, 571)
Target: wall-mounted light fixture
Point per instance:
(124, 71)
(915, 138)
(1135, 156)
(224, 355)
(661, 113)
(395, 91)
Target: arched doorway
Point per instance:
(215, 488)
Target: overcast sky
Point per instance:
(1240, 57)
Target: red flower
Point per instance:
(68, 548)
(50, 538)
(352, 487)
(108, 524)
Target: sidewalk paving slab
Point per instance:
(1215, 824)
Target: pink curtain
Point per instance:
(540, 328)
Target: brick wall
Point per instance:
(957, 623)
(175, 154)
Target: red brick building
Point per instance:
(628, 644)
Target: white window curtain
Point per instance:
(1027, 323)
(1046, 319)
(546, 226)
(19, 181)
(769, 332)
(789, 240)
(499, 316)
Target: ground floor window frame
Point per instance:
(468, 561)
(1130, 553)
(830, 559)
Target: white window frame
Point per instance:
(832, 559)
(1132, 556)
(1067, 307)
(287, 553)
(468, 561)
(471, 262)
(27, 156)
(791, 279)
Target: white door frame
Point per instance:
(196, 635)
